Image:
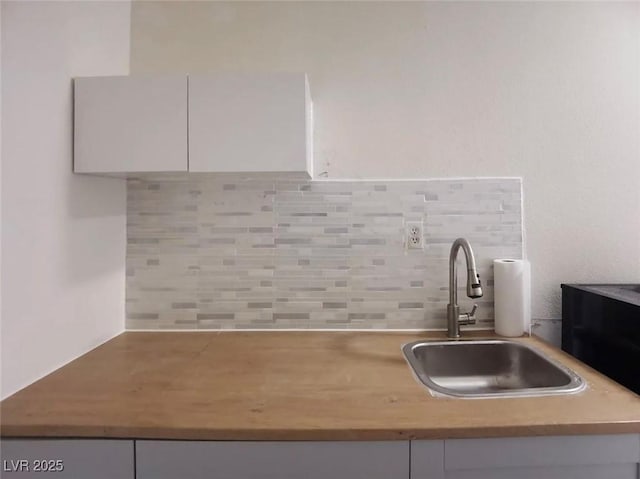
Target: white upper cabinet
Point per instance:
(223, 122)
(130, 124)
(250, 123)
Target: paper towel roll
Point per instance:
(512, 296)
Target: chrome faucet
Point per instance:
(474, 288)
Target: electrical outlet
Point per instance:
(413, 233)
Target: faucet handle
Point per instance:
(468, 318)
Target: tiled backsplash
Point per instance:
(210, 252)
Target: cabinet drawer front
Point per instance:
(271, 460)
(610, 471)
(541, 451)
(78, 459)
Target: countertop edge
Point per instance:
(161, 434)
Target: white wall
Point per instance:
(547, 91)
(0, 196)
(63, 236)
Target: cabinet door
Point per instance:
(130, 124)
(608, 471)
(427, 460)
(67, 458)
(272, 460)
(249, 123)
(555, 457)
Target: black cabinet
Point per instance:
(601, 327)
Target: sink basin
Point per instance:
(488, 368)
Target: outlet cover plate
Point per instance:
(414, 234)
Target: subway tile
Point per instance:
(294, 316)
(334, 305)
(209, 316)
(409, 305)
(365, 316)
(144, 316)
(184, 305)
(211, 253)
(260, 305)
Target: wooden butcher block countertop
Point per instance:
(289, 386)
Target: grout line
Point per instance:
(444, 456)
(135, 459)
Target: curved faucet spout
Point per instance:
(474, 287)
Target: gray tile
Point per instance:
(277, 316)
(142, 316)
(408, 305)
(208, 253)
(186, 305)
(259, 305)
(367, 315)
(367, 241)
(333, 305)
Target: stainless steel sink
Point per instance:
(488, 368)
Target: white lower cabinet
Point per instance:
(272, 460)
(610, 471)
(67, 459)
(427, 459)
(554, 457)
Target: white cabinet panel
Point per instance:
(541, 451)
(272, 460)
(250, 123)
(609, 471)
(67, 458)
(427, 460)
(130, 124)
